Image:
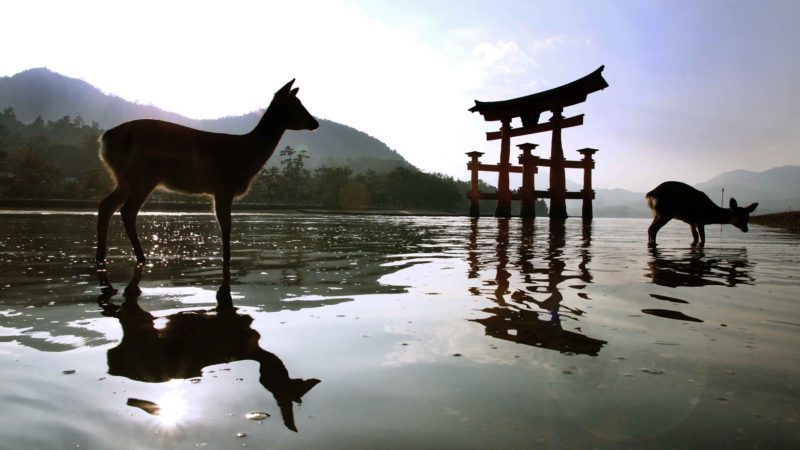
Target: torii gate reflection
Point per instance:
(518, 314)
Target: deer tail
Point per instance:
(109, 156)
(651, 200)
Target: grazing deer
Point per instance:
(144, 154)
(676, 200)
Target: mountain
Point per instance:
(41, 92)
(611, 203)
(775, 190)
(620, 203)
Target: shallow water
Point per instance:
(397, 332)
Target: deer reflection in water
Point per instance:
(696, 268)
(699, 267)
(521, 319)
(191, 341)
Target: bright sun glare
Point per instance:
(172, 408)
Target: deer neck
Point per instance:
(267, 134)
(721, 215)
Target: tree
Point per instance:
(265, 187)
(328, 183)
(35, 176)
(6, 178)
(5, 137)
(93, 183)
(376, 186)
(294, 174)
(38, 123)
(541, 208)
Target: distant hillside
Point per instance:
(775, 190)
(613, 203)
(41, 92)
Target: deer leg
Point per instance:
(108, 206)
(701, 230)
(129, 212)
(222, 208)
(658, 222)
(693, 227)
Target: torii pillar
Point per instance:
(558, 181)
(503, 208)
(588, 193)
(474, 193)
(527, 194)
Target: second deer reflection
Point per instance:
(191, 341)
(517, 320)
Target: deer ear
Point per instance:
(733, 203)
(293, 93)
(285, 89)
(751, 208)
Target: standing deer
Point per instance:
(676, 200)
(144, 154)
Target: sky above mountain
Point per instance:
(696, 88)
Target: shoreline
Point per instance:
(206, 207)
(788, 220)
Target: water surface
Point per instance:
(397, 332)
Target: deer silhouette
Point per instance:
(144, 154)
(676, 200)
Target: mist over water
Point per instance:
(397, 332)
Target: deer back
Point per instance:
(178, 157)
(678, 200)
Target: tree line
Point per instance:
(53, 159)
(58, 160)
(340, 188)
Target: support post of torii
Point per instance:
(528, 196)
(474, 193)
(558, 180)
(588, 193)
(503, 208)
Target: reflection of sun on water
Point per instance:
(160, 323)
(172, 408)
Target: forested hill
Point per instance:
(51, 96)
(41, 162)
(50, 124)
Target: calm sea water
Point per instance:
(397, 332)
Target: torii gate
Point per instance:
(528, 109)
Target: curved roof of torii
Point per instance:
(531, 106)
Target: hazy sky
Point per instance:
(696, 87)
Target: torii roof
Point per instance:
(531, 106)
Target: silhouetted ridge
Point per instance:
(42, 92)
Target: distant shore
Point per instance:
(789, 220)
(205, 207)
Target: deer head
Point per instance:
(297, 117)
(740, 216)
